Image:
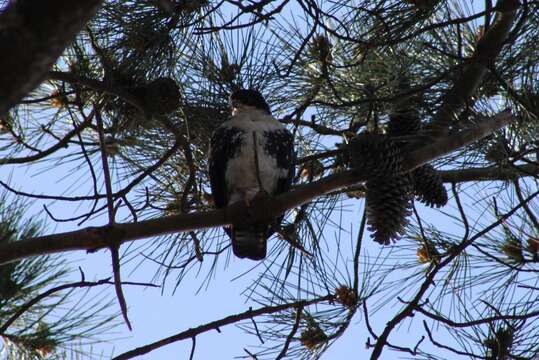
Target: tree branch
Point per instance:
(80, 284)
(96, 85)
(448, 144)
(429, 280)
(62, 143)
(486, 51)
(219, 323)
(491, 173)
(261, 209)
(290, 336)
(101, 237)
(484, 320)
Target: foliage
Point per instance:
(145, 83)
(60, 323)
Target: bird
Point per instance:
(250, 154)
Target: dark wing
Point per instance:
(280, 144)
(225, 143)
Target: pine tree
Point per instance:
(114, 102)
(36, 296)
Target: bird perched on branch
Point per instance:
(251, 154)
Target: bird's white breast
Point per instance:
(241, 172)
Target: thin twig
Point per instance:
(59, 145)
(429, 280)
(530, 214)
(114, 251)
(191, 356)
(292, 242)
(442, 346)
(49, 292)
(461, 211)
(90, 167)
(114, 244)
(357, 252)
(290, 336)
(105, 163)
(253, 356)
(256, 330)
(366, 314)
(196, 242)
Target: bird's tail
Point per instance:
(249, 241)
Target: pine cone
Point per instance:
(313, 336)
(162, 96)
(374, 154)
(404, 118)
(499, 344)
(404, 122)
(429, 187)
(8, 287)
(388, 206)
(346, 296)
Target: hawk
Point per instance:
(250, 153)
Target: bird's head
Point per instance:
(248, 98)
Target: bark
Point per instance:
(455, 141)
(262, 209)
(33, 34)
(486, 51)
(492, 173)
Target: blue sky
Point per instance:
(155, 315)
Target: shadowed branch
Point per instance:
(100, 237)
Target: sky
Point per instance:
(155, 315)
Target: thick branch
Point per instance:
(485, 320)
(96, 85)
(101, 237)
(34, 34)
(263, 209)
(449, 143)
(491, 173)
(486, 51)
